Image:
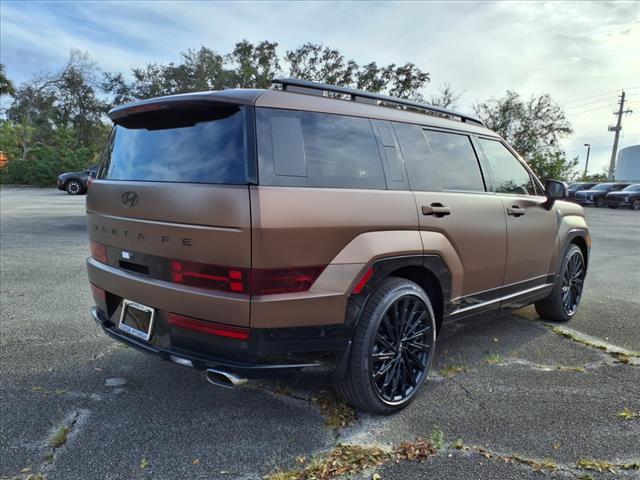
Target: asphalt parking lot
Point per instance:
(508, 399)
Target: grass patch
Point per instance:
(144, 464)
(59, 438)
(338, 413)
(437, 437)
(449, 371)
(354, 459)
(604, 466)
(494, 359)
(566, 368)
(628, 414)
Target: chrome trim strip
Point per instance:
(501, 299)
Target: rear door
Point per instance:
(171, 206)
(452, 200)
(532, 230)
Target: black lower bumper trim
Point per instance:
(198, 362)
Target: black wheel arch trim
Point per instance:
(569, 238)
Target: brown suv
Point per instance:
(250, 231)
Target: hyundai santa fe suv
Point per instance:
(246, 232)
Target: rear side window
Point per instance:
(509, 175)
(317, 150)
(203, 145)
(455, 161)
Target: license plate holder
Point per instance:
(137, 319)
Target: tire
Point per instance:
(600, 202)
(613, 206)
(561, 305)
(402, 365)
(635, 204)
(73, 187)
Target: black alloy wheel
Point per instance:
(73, 187)
(400, 350)
(573, 283)
(562, 303)
(391, 350)
(635, 204)
(600, 202)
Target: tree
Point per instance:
(6, 85)
(533, 126)
(446, 97)
(553, 166)
(255, 66)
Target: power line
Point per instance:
(606, 99)
(589, 110)
(578, 100)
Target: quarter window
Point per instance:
(509, 175)
(317, 150)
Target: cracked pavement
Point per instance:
(525, 391)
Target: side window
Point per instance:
(509, 175)
(420, 165)
(317, 150)
(455, 160)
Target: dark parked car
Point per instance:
(576, 187)
(75, 183)
(627, 197)
(595, 196)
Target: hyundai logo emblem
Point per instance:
(129, 199)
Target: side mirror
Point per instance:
(555, 190)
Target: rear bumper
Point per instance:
(258, 364)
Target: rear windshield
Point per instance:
(196, 145)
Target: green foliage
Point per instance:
(45, 162)
(532, 127)
(554, 165)
(6, 86)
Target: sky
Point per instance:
(581, 53)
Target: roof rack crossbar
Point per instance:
(306, 86)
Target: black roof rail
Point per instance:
(316, 88)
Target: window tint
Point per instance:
(509, 175)
(455, 161)
(178, 145)
(334, 151)
(420, 165)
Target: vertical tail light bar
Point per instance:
(98, 251)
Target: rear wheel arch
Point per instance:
(430, 272)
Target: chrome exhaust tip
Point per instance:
(220, 378)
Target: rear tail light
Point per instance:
(98, 251)
(225, 279)
(244, 280)
(283, 280)
(210, 328)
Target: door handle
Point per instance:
(515, 211)
(436, 209)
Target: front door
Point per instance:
(532, 229)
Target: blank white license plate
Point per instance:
(137, 319)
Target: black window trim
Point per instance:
(537, 184)
(469, 135)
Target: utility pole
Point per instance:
(586, 165)
(621, 111)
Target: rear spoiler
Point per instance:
(234, 97)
